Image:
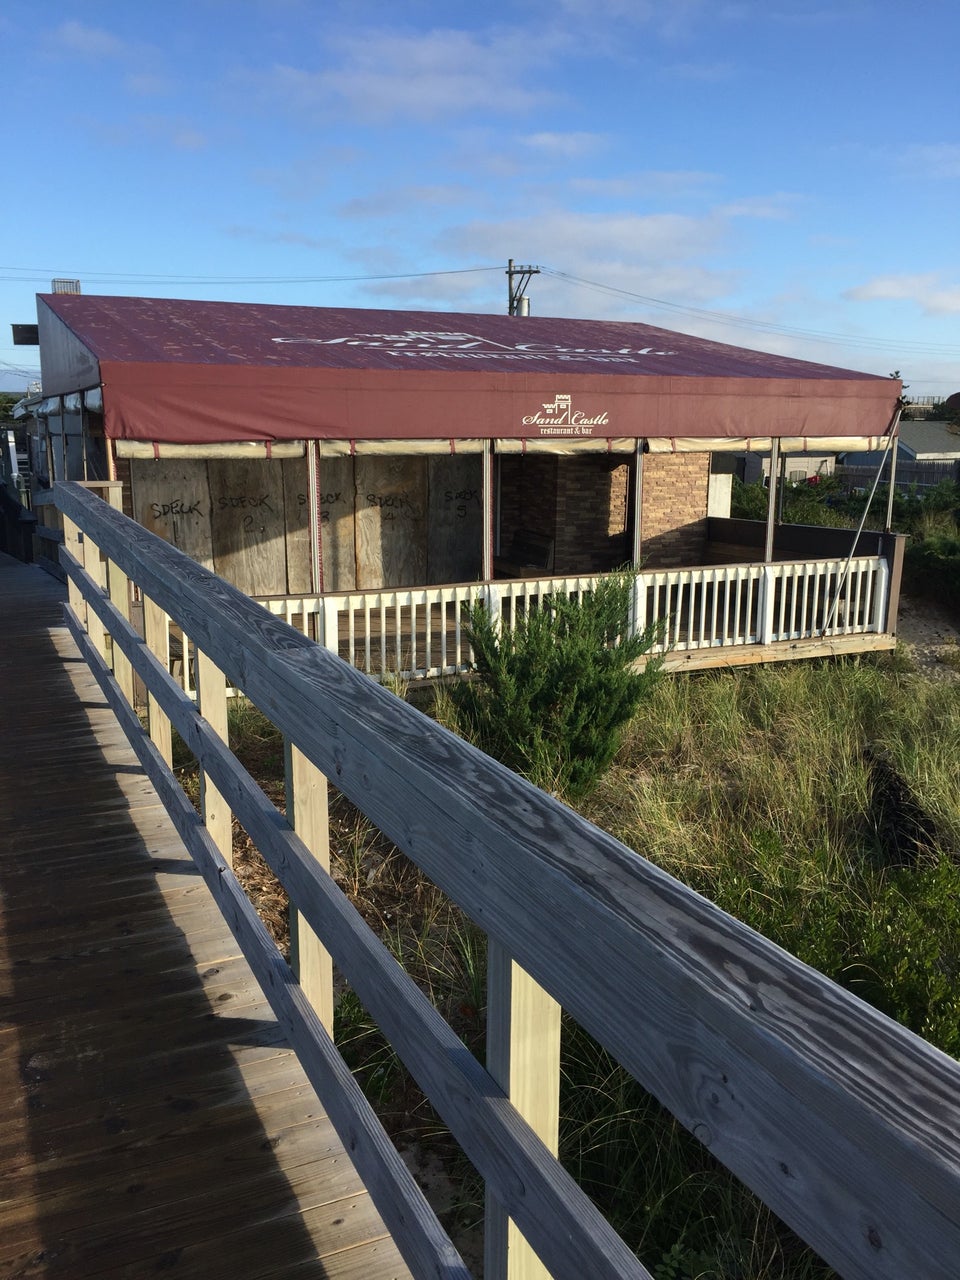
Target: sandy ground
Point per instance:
(930, 637)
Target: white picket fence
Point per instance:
(420, 632)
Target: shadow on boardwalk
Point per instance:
(150, 1119)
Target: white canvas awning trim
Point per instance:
(762, 444)
(402, 448)
(160, 449)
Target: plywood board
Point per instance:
(392, 524)
(172, 500)
(455, 546)
(247, 523)
(296, 505)
(337, 503)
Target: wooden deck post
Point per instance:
(73, 543)
(118, 586)
(308, 814)
(523, 1056)
(488, 515)
(97, 570)
(212, 705)
(156, 626)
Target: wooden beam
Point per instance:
(779, 651)
(73, 543)
(523, 1056)
(772, 499)
(212, 705)
(308, 814)
(118, 588)
(156, 626)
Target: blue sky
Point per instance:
(778, 174)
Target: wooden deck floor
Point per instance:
(151, 1121)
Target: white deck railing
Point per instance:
(421, 631)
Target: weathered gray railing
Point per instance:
(844, 1123)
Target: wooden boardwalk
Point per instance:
(151, 1119)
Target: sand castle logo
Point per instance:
(558, 417)
(461, 345)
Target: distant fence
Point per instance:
(922, 475)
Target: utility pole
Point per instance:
(518, 304)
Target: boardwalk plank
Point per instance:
(150, 1117)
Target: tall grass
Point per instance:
(818, 803)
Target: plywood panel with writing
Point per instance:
(455, 514)
(247, 523)
(391, 521)
(172, 499)
(296, 505)
(338, 501)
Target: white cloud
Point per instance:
(776, 207)
(932, 160)
(147, 85)
(645, 185)
(169, 131)
(924, 290)
(387, 203)
(566, 146)
(429, 76)
(706, 72)
(657, 256)
(88, 42)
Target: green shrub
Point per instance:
(932, 569)
(554, 694)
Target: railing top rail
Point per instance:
(846, 1124)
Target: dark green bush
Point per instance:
(554, 694)
(932, 569)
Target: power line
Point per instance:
(37, 274)
(763, 326)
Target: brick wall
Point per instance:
(528, 496)
(674, 517)
(592, 496)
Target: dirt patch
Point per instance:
(930, 637)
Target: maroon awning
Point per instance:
(211, 372)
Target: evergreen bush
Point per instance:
(552, 696)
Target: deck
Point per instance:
(151, 1117)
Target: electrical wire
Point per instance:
(761, 326)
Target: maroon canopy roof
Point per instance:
(205, 372)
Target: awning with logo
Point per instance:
(186, 372)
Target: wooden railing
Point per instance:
(422, 631)
(843, 1122)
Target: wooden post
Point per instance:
(308, 814)
(73, 543)
(156, 626)
(488, 517)
(636, 549)
(212, 705)
(523, 1056)
(772, 499)
(767, 584)
(118, 585)
(97, 570)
